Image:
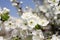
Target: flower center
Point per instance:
(10, 24)
(25, 23)
(31, 22)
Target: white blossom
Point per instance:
(32, 22)
(27, 15)
(42, 8)
(43, 22)
(10, 24)
(6, 10)
(25, 24)
(22, 24)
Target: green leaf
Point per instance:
(4, 17)
(38, 27)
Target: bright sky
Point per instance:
(7, 3)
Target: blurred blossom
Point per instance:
(19, 10)
(58, 37)
(1, 38)
(13, 0)
(55, 17)
(14, 4)
(21, 2)
(7, 29)
(53, 2)
(37, 35)
(27, 7)
(57, 10)
(54, 37)
(14, 33)
(42, 18)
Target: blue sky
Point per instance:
(13, 12)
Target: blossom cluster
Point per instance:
(41, 23)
